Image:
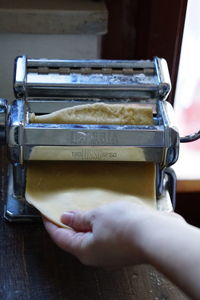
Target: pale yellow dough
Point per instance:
(56, 187)
(99, 113)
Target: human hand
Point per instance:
(124, 233)
(106, 236)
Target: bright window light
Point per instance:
(187, 98)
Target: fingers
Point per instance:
(77, 220)
(67, 239)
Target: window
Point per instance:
(187, 98)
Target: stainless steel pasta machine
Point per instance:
(46, 85)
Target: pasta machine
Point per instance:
(46, 85)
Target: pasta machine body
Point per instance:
(42, 86)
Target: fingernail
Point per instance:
(66, 218)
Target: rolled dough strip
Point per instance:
(99, 113)
(56, 187)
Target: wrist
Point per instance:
(142, 228)
(154, 234)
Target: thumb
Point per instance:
(77, 220)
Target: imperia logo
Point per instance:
(93, 138)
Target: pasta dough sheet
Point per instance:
(99, 113)
(56, 187)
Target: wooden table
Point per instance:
(32, 267)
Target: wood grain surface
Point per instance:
(32, 267)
